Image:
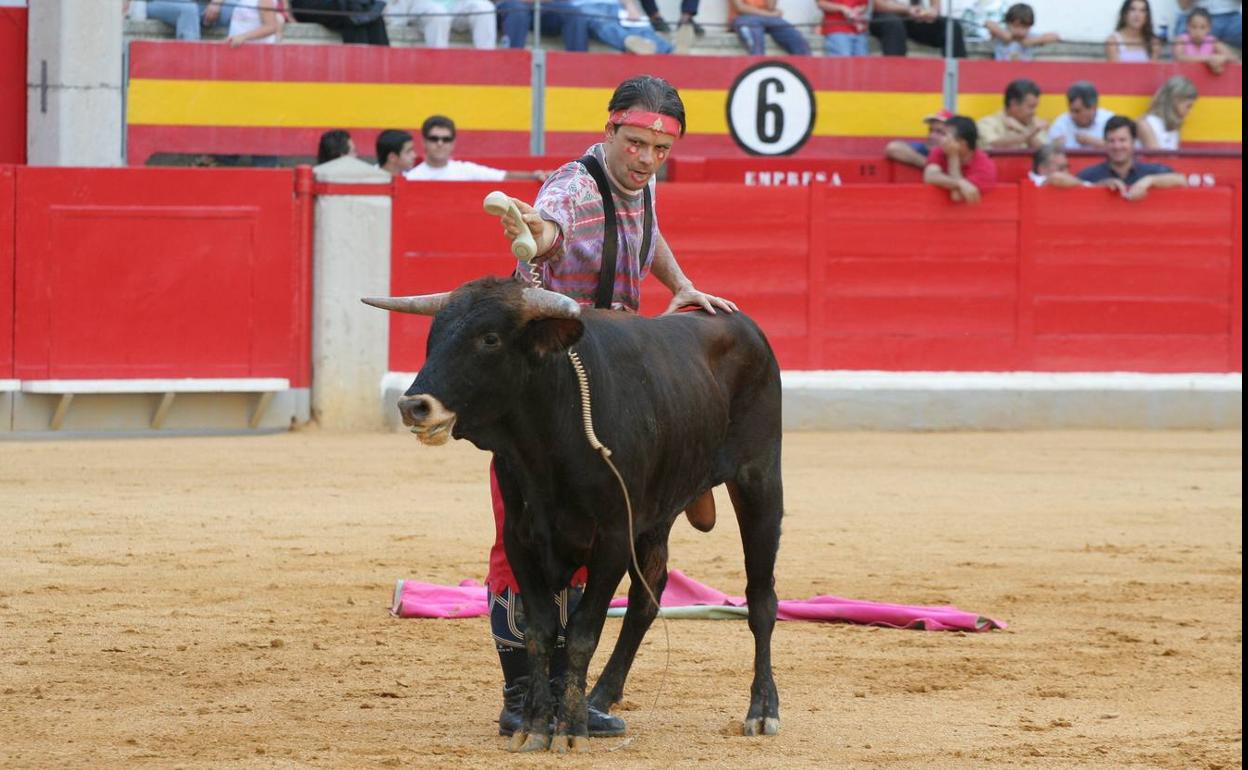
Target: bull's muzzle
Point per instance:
(427, 417)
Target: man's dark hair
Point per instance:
(1121, 121)
(1084, 92)
(334, 144)
(437, 121)
(964, 129)
(391, 141)
(1020, 13)
(1018, 90)
(652, 94)
(1044, 153)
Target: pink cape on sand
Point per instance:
(413, 599)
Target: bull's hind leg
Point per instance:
(652, 555)
(758, 497)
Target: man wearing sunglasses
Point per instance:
(438, 132)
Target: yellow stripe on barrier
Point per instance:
(292, 105)
(1213, 118)
(507, 108)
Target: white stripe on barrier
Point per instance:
(1009, 381)
(188, 385)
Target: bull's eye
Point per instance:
(490, 340)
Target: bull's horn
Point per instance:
(543, 303)
(421, 304)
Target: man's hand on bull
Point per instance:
(689, 296)
(544, 232)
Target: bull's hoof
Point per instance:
(532, 741)
(517, 740)
(562, 744)
(762, 726)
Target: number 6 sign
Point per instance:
(771, 109)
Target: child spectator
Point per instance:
(915, 153)
(1014, 41)
(333, 145)
(1132, 39)
(754, 19)
(958, 166)
(1198, 44)
(1227, 17)
(1159, 128)
(844, 27)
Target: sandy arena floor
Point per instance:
(222, 603)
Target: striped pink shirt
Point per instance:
(571, 200)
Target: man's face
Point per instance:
(1082, 114)
(936, 132)
(407, 157)
(439, 144)
(634, 155)
(1056, 162)
(1119, 146)
(1023, 110)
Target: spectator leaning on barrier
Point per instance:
(1159, 127)
(1015, 127)
(1082, 126)
(1198, 44)
(396, 152)
(1014, 41)
(1120, 172)
(914, 153)
(1132, 39)
(895, 20)
(844, 27)
(958, 165)
(438, 132)
(1225, 16)
(753, 20)
(357, 21)
(1050, 167)
(334, 144)
(437, 17)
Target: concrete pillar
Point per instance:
(351, 259)
(74, 83)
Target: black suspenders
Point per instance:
(610, 231)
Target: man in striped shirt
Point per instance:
(567, 221)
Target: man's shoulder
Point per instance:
(1149, 169)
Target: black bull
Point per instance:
(684, 402)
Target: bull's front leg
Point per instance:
(583, 632)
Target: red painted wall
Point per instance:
(895, 277)
(12, 85)
(132, 273)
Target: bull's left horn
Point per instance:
(543, 303)
(421, 304)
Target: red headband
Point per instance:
(664, 124)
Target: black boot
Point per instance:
(515, 686)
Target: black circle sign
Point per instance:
(771, 109)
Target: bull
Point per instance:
(685, 402)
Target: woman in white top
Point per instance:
(254, 21)
(1160, 126)
(1133, 39)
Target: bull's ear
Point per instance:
(544, 336)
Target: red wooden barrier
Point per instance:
(125, 273)
(7, 292)
(13, 85)
(896, 277)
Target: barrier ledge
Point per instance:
(934, 401)
(923, 401)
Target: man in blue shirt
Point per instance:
(1120, 172)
